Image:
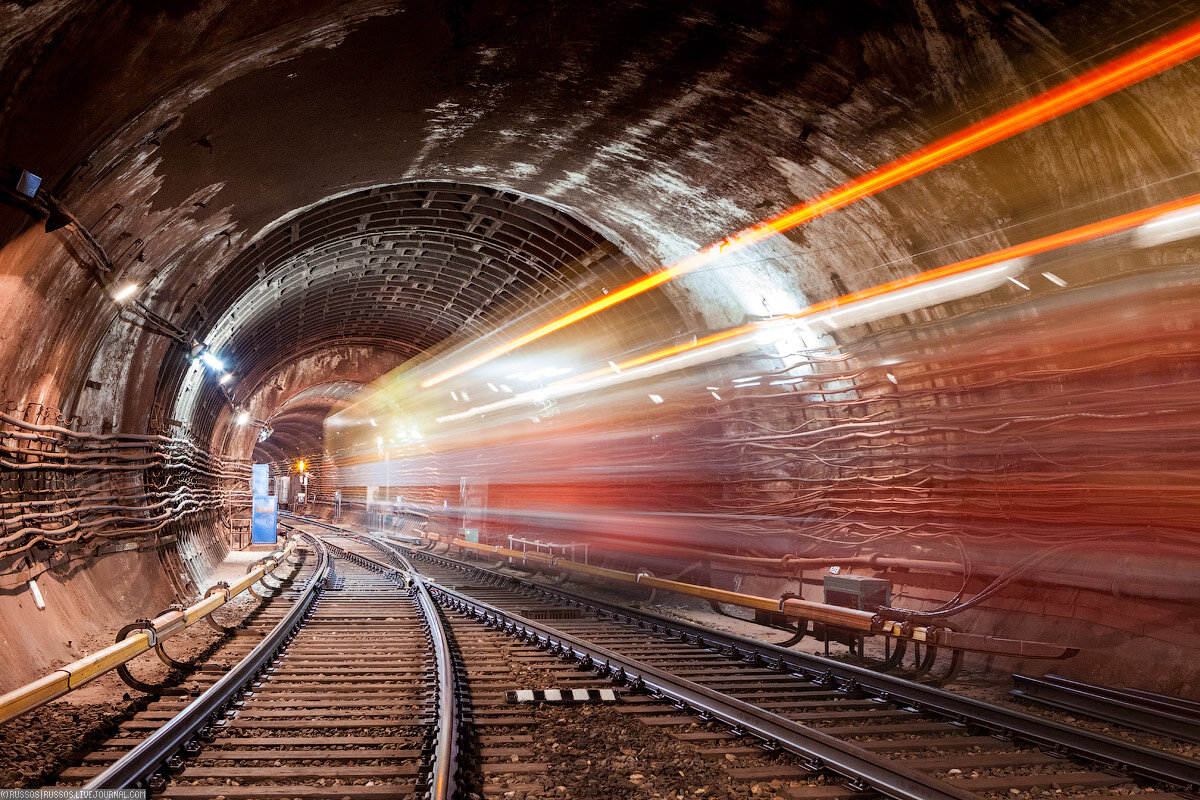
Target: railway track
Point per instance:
(197, 675)
(395, 675)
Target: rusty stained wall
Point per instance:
(179, 137)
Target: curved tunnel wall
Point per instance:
(650, 129)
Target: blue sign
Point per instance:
(259, 476)
(264, 521)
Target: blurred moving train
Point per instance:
(1038, 399)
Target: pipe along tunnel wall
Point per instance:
(323, 192)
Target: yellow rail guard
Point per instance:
(791, 607)
(62, 680)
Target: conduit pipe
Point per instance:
(1122, 575)
(791, 607)
(65, 679)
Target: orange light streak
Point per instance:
(1141, 63)
(1054, 241)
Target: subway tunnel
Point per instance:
(227, 226)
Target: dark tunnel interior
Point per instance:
(285, 232)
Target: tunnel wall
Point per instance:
(661, 127)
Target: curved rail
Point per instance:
(1154, 764)
(443, 767)
(141, 768)
(145, 635)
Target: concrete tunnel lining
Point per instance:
(642, 131)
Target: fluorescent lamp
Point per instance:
(243, 417)
(125, 292)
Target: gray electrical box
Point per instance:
(857, 591)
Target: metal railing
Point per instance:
(143, 766)
(144, 635)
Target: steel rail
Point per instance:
(166, 747)
(1106, 751)
(1112, 705)
(443, 777)
(819, 751)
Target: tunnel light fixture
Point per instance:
(1159, 55)
(492, 386)
(374, 424)
(38, 600)
(125, 292)
(1018, 283)
(226, 377)
(211, 360)
(58, 219)
(715, 395)
(27, 184)
(614, 366)
(892, 378)
(1057, 281)
(243, 417)
(656, 399)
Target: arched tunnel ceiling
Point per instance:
(400, 268)
(403, 266)
(183, 137)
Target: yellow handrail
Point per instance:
(62, 680)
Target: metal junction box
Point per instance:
(857, 591)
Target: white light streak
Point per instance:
(1170, 227)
